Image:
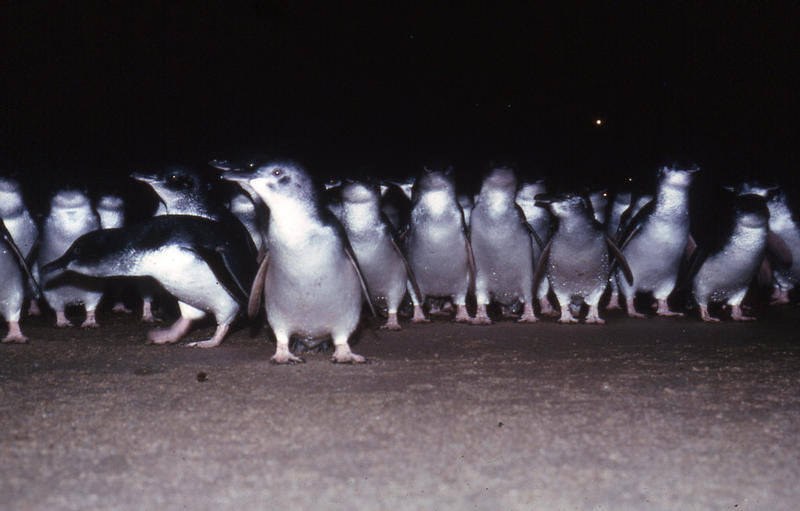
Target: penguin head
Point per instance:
(69, 199)
(755, 188)
(435, 178)
(92, 254)
(276, 181)
(564, 205)
(752, 211)
(360, 192)
(675, 177)
(11, 203)
(500, 178)
(528, 191)
(174, 184)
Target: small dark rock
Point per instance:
(201, 377)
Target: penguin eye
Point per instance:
(277, 172)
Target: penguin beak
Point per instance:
(144, 178)
(543, 200)
(237, 176)
(59, 264)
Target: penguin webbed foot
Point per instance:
(481, 317)
(33, 308)
(528, 316)
(419, 315)
(391, 323)
(62, 321)
(738, 315)
(14, 334)
(663, 310)
(286, 358)
(462, 316)
(705, 316)
(343, 355)
(120, 308)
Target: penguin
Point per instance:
(168, 248)
(185, 190)
(21, 226)
(14, 271)
(620, 205)
(395, 206)
(579, 256)
(541, 222)
(786, 226)
(726, 274)
(437, 243)
(599, 201)
(111, 212)
(311, 281)
(71, 215)
(376, 247)
(656, 239)
(502, 244)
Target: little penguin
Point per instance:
(437, 243)
(783, 223)
(311, 280)
(541, 222)
(656, 239)
(599, 202)
(14, 272)
(111, 212)
(221, 265)
(579, 256)
(726, 275)
(620, 205)
(21, 226)
(502, 244)
(375, 244)
(71, 215)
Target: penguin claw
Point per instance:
(390, 326)
(595, 321)
(343, 355)
(528, 319)
(208, 343)
(17, 339)
(90, 324)
(286, 358)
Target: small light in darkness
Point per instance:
(598, 122)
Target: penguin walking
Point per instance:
(375, 245)
(541, 222)
(311, 281)
(726, 274)
(437, 243)
(502, 244)
(21, 227)
(579, 256)
(656, 240)
(111, 212)
(200, 262)
(71, 215)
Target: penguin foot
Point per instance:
(663, 310)
(120, 307)
(705, 316)
(343, 355)
(90, 323)
(738, 315)
(594, 320)
(566, 321)
(546, 309)
(14, 334)
(461, 315)
(215, 340)
(525, 318)
(149, 318)
(171, 334)
(480, 320)
(419, 316)
(62, 321)
(286, 358)
(391, 323)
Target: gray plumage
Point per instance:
(784, 225)
(656, 241)
(541, 222)
(726, 275)
(576, 260)
(502, 247)
(12, 292)
(71, 215)
(437, 244)
(21, 227)
(312, 286)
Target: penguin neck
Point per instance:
(672, 201)
(437, 202)
(358, 216)
(12, 206)
(577, 222)
(780, 218)
(293, 220)
(496, 200)
(747, 235)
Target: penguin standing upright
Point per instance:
(71, 215)
(21, 226)
(437, 243)
(579, 256)
(541, 222)
(656, 240)
(311, 281)
(111, 212)
(784, 224)
(13, 272)
(502, 246)
(373, 240)
(726, 274)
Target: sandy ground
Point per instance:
(637, 414)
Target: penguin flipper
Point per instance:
(222, 270)
(393, 237)
(537, 276)
(23, 264)
(257, 289)
(634, 226)
(764, 274)
(364, 289)
(619, 259)
(530, 228)
(470, 254)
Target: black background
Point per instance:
(99, 90)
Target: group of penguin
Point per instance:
(311, 258)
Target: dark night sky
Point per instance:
(107, 89)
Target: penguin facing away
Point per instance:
(656, 240)
(375, 244)
(71, 215)
(437, 243)
(199, 261)
(579, 256)
(502, 246)
(311, 280)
